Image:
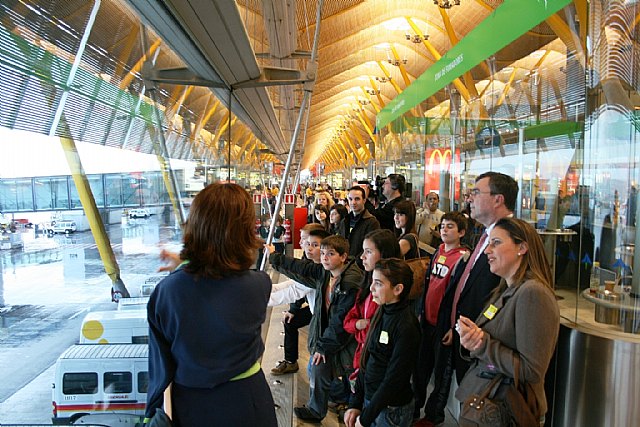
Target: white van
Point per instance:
(139, 213)
(61, 226)
(115, 327)
(101, 384)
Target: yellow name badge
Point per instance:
(442, 259)
(491, 312)
(384, 337)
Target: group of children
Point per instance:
(363, 330)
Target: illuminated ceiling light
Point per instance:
(373, 91)
(397, 62)
(416, 38)
(363, 102)
(446, 4)
(383, 79)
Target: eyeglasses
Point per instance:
(475, 192)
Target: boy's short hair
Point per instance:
(312, 226)
(319, 232)
(458, 218)
(337, 243)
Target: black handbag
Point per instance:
(503, 402)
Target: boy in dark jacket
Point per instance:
(383, 387)
(331, 348)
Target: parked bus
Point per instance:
(115, 327)
(101, 384)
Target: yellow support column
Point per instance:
(93, 216)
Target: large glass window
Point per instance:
(563, 122)
(132, 189)
(51, 193)
(95, 183)
(8, 199)
(113, 189)
(24, 194)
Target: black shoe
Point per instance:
(306, 414)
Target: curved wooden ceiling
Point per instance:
(358, 42)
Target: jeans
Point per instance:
(394, 416)
(320, 379)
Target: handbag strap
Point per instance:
(492, 388)
(516, 369)
(529, 397)
(415, 237)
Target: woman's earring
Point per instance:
(519, 254)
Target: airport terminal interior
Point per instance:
(114, 114)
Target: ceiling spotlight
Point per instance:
(416, 38)
(373, 91)
(383, 79)
(364, 102)
(397, 62)
(446, 4)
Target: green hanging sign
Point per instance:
(513, 18)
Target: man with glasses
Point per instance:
(493, 197)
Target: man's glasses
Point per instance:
(475, 192)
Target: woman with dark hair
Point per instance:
(378, 244)
(205, 319)
(520, 324)
(321, 213)
(338, 217)
(383, 387)
(404, 216)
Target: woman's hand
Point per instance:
(362, 324)
(269, 249)
(171, 260)
(470, 334)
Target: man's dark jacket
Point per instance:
(365, 224)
